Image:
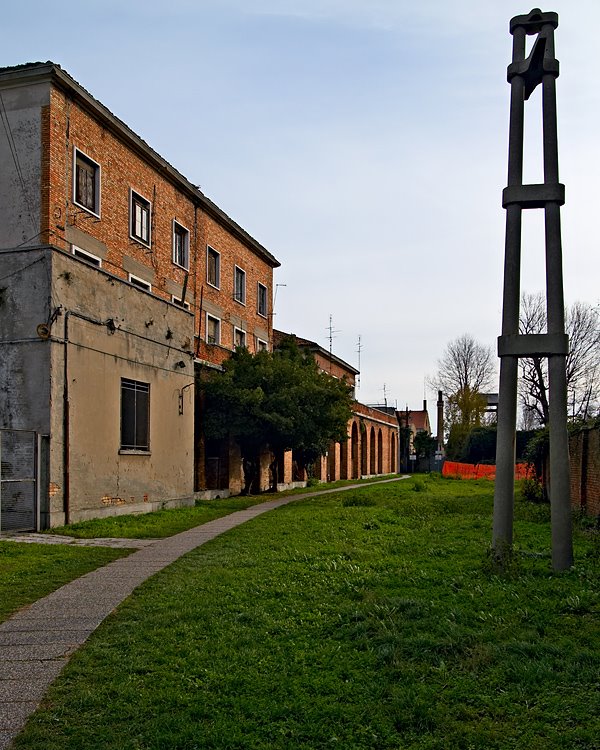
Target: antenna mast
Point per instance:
(331, 336)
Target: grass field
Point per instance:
(30, 571)
(163, 523)
(365, 619)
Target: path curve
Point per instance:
(38, 640)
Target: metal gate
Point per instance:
(19, 506)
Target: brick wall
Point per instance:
(584, 453)
(66, 125)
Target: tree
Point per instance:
(424, 444)
(582, 324)
(280, 401)
(465, 372)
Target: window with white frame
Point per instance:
(181, 245)
(213, 330)
(261, 346)
(140, 283)
(213, 267)
(239, 285)
(139, 218)
(239, 338)
(135, 415)
(86, 182)
(93, 260)
(180, 303)
(261, 297)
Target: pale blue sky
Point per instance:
(363, 143)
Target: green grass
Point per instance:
(160, 523)
(163, 523)
(376, 623)
(30, 571)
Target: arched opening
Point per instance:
(354, 450)
(344, 459)
(380, 452)
(372, 463)
(393, 453)
(364, 464)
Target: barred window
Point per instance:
(135, 415)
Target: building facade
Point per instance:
(371, 447)
(120, 281)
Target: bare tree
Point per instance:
(582, 323)
(465, 372)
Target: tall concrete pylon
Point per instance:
(524, 75)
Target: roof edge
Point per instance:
(53, 73)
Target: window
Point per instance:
(136, 281)
(93, 260)
(176, 301)
(239, 338)
(239, 293)
(262, 300)
(213, 267)
(181, 246)
(135, 415)
(213, 330)
(261, 346)
(86, 182)
(139, 219)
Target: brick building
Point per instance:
(372, 444)
(119, 282)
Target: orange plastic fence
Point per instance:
(480, 471)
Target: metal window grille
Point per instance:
(135, 415)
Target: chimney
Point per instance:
(440, 421)
(424, 404)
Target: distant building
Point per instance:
(372, 445)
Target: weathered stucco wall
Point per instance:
(24, 356)
(147, 340)
(21, 160)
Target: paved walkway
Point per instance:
(37, 641)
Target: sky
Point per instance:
(363, 143)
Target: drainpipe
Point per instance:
(66, 452)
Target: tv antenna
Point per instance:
(331, 336)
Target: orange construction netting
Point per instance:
(480, 471)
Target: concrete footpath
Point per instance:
(37, 641)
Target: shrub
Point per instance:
(532, 490)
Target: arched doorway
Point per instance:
(380, 452)
(364, 464)
(393, 453)
(372, 463)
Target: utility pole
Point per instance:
(359, 349)
(524, 75)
